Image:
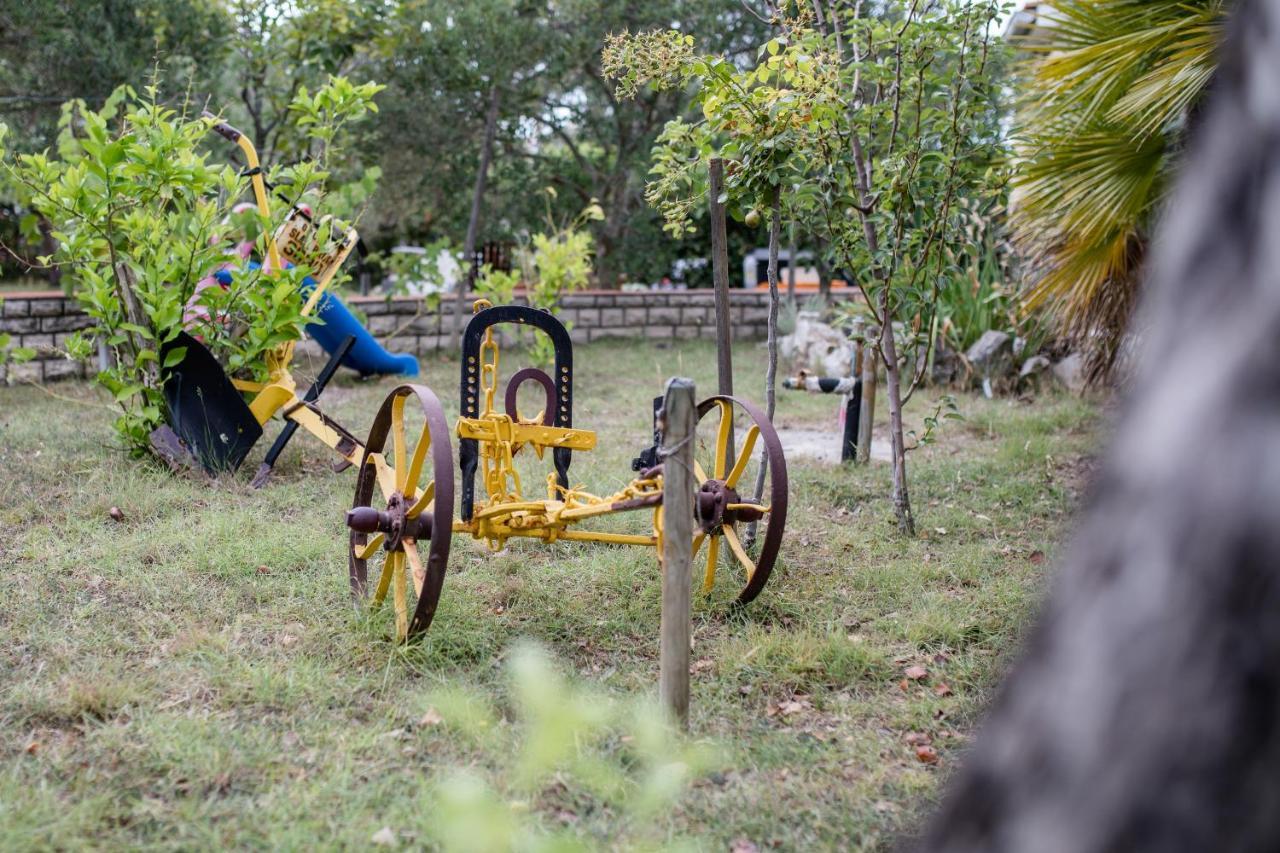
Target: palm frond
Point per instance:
(1108, 88)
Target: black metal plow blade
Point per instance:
(206, 411)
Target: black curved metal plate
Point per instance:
(205, 409)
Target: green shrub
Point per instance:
(142, 216)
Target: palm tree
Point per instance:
(1110, 90)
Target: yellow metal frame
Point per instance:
(505, 513)
(279, 393)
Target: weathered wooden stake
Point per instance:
(720, 278)
(678, 423)
(867, 411)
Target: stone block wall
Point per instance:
(42, 321)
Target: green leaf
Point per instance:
(126, 391)
(112, 154)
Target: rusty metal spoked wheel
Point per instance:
(737, 452)
(403, 510)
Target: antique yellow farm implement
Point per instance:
(402, 520)
(210, 424)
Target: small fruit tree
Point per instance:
(864, 124)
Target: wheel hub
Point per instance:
(714, 498)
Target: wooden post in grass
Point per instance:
(867, 411)
(678, 423)
(720, 278)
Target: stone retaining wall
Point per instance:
(42, 321)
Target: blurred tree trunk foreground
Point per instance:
(1145, 713)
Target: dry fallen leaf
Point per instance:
(743, 845)
(264, 570)
(1036, 557)
(116, 514)
(33, 747)
(926, 754)
(917, 739)
(916, 672)
(431, 718)
(385, 837)
(942, 689)
(702, 665)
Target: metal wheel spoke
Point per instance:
(713, 557)
(386, 474)
(401, 596)
(723, 435)
(731, 537)
(416, 570)
(384, 580)
(424, 500)
(744, 457)
(419, 456)
(397, 442)
(364, 552)
(699, 473)
(697, 541)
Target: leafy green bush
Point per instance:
(979, 292)
(552, 263)
(142, 218)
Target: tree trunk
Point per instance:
(893, 395)
(775, 237)
(824, 271)
(612, 233)
(771, 371)
(477, 202)
(791, 267)
(1143, 714)
(720, 281)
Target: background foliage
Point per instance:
(559, 123)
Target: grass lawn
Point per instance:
(193, 676)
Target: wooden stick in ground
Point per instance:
(720, 278)
(679, 421)
(867, 412)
